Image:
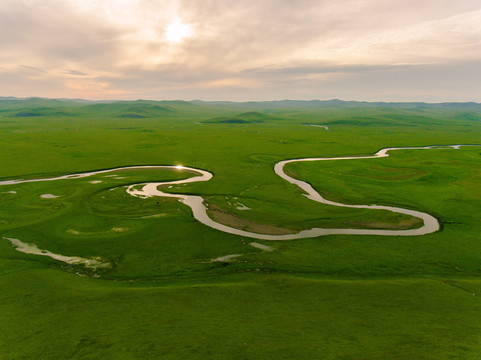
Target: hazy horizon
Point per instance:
(236, 101)
(265, 50)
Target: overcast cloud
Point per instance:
(404, 50)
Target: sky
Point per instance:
(242, 50)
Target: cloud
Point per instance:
(33, 68)
(74, 72)
(261, 48)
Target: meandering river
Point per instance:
(199, 210)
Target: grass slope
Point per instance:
(335, 297)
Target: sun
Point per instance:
(176, 31)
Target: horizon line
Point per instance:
(3, 98)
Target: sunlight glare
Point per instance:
(177, 31)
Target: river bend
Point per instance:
(199, 210)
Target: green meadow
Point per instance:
(162, 296)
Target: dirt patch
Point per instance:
(261, 246)
(226, 258)
(401, 225)
(49, 196)
(229, 219)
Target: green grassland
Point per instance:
(333, 297)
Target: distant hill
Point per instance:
(242, 118)
(338, 112)
(43, 111)
(12, 103)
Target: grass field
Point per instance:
(333, 297)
